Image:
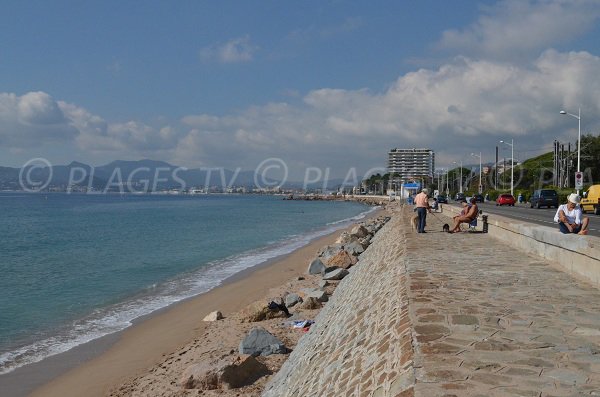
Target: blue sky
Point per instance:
(327, 84)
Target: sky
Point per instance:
(330, 85)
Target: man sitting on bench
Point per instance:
(470, 214)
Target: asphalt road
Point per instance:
(542, 216)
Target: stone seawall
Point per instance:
(361, 343)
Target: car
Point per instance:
(442, 199)
(478, 198)
(544, 198)
(459, 197)
(505, 199)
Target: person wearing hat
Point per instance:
(570, 218)
(422, 204)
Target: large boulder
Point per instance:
(345, 238)
(317, 294)
(359, 231)
(213, 316)
(342, 259)
(354, 248)
(316, 266)
(336, 274)
(292, 299)
(260, 342)
(259, 311)
(225, 374)
(310, 304)
(330, 251)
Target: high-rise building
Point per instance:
(410, 164)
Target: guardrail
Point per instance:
(575, 254)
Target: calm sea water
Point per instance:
(77, 267)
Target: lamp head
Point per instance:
(563, 112)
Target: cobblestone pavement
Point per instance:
(441, 314)
(492, 321)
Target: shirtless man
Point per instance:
(468, 217)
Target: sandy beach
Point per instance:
(164, 343)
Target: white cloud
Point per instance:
(514, 29)
(467, 105)
(236, 50)
(32, 119)
(464, 106)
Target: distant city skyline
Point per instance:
(318, 84)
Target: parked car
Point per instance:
(459, 197)
(591, 200)
(479, 198)
(505, 199)
(442, 199)
(544, 198)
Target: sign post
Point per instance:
(578, 181)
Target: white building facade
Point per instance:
(411, 164)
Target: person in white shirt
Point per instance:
(570, 218)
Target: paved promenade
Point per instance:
(440, 314)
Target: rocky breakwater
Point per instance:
(361, 341)
(266, 330)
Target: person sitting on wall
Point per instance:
(435, 205)
(469, 213)
(570, 218)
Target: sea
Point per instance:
(76, 267)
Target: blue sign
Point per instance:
(413, 185)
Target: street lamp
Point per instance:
(512, 164)
(461, 187)
(480, 182)
(578, 117)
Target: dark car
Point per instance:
(478, 198)
(460, 197)
(505, 199)
(442, 199)
(544, 198)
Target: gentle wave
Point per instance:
(116, 318)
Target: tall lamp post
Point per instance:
(512, 164)
(480, 182)
(461, 187)
(578, 117)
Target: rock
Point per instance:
(336, 274)
(225, 374)
(259, 311)
(316, 267)
(259, 342)
(310, 304)
(319, 295)
(359, 231)
(292, 299)
(354, 248)
(213, 316)
(342, 259)
(345, 238)
(323, 283)
(200, 376)
(300, 278)
(329, 251)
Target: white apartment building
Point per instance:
(410, 164)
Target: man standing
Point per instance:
(422, 203)
(569, 216)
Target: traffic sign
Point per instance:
(579, 180)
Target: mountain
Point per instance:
(128, 176)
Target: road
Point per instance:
(542, 216)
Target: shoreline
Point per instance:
(94, 367)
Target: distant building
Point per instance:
(410, 164)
